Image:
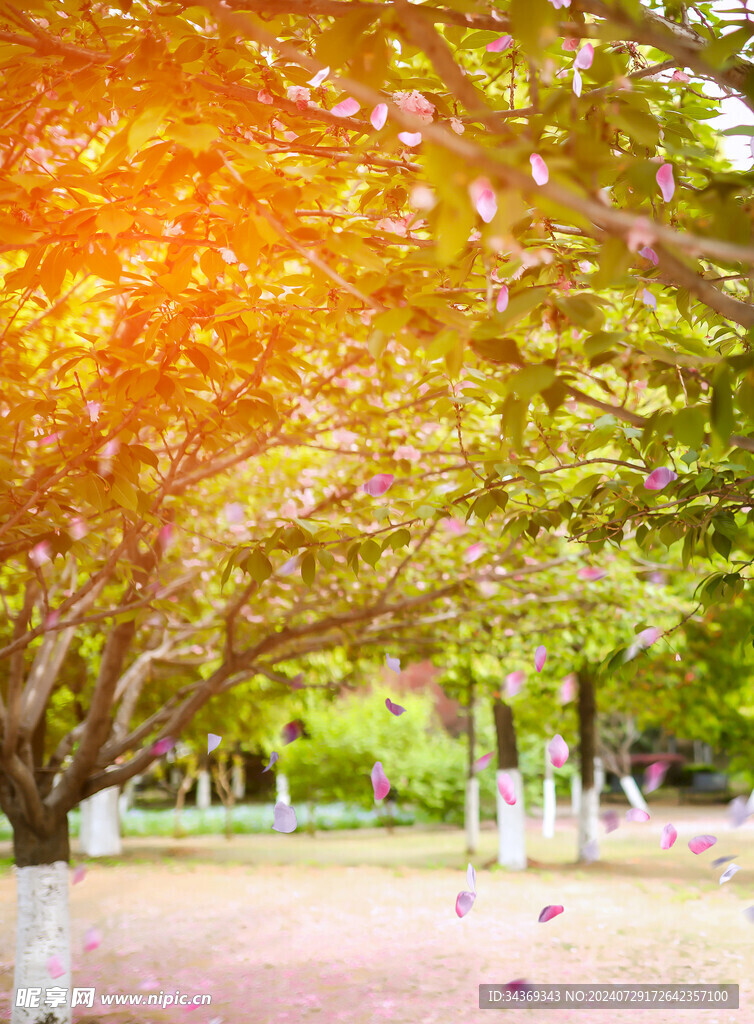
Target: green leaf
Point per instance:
(399, 539)
(370, 552)
(688, 426)
(258, 566)
(531, 380)
(309, 568)
(721, 406)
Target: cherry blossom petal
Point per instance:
(319, 78)
(379, 116)
(654, 776)
(263, 96)
(471, 878)
(380, 782)
(410, 138)
(648, 636)
(234, 512)
(78, 874)
(668, 837)
(393, 663)
(464, 903)
(502, 299)
(498, 45)
(472, 553)
(610, 819)
(481, 762)
(396, 709)
(648, 299)
(346, 108)
(549, 912)
(584, 57)
(680, 76)
(721, 860)
(666, 182)
(455, 526)
(40, 553)
(274, 756)
(539, 168)
(380, 483)
(513, 682)
(213, 741)
(457, 125)
(636, 814)
(92, 939)
(506, 788)
(571, 44)
(729, 873)
(557, 748)
(658, 479)
(649, 254)
(577, 82)
(163, 746)
(486, 205)
(285, 818)
(738, 811)
(749, 914)
(568, 689)
(55, 967)
(291, 732)
(592, 573)
(701, 843)
(540, 656)
(78, 528)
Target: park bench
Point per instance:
(706, 784)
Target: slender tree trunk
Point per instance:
(511, 818)
(472, 782)
(549, 802)
(43, 928)
(588, 810)
(633, 793)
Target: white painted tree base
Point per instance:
(588, 825)
(575, 795)
(282, 792)
(472, 815)
(548, 811)
(511, 826)
(99, 834)
(203, 790)
(629, 787)
(43, 931)
(239, 782)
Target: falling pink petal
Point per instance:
(584, 57)
(659, 479)
(40, 553)
(163, 746)
(502, 299)
(346, 108)
(680, 76)
(285, 818)
(729, 873)
(568, 688)
(648, 299)
(738, 810)
(665, 181)
(319, 78)
(481, 762)
(379, 116)
(410, 138)
(649, 636)
(636, 814)
(273, 758)
(549, 912)
(498, 45)
(513, 682)
(464, 903)
(610, 819)
(506, 788)
(380, 782)
(455, 526)
(165, 537)
(396, 709)
(592, 573)
(78, 528)
(654, 776)
(540, 656)
(749, 914)
(539, 169)
(649, 254)
(291, 732)
(721, 860)
(557, 748)
(668, 837)
(377, 486)
(577, 82)
(92, 939)
(486, 205)
(471, 877)
(213, 741)
(55, 967)
(234, 512)
(701, 843)
(472, 553)
(394, 664)
(78, 874)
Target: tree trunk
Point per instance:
(471, 810)
(282, 793)
(239, 781)
(43, 928)
(588, 849)
(511, 818)
(203, 790)
(633, 793)
(99, 835)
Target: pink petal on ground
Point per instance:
(291, 732)
(498, 45)
(473, 552)
(163, 746)
(668, 837)
(649, 254)
(55, 967)
(591, 573)
(729, 873)
(486, 205)
(539, 169)
(549, 912)
(506, 788)
(285, 818)
(577, 82)
(471, 878)
(78, 874)
(319, 78)
(610, 819)
(273, 758)
(659, 479)
(502, 299)
(701, 843)
(396, 709)
(568, 688)
(92, 939)
(636, 814)
(513, 682)
(481, 763)
(213, 742)
(410, 138)
(464, 903)
(380, 483)
(654, 776)
(380, 782)
(346, 108)
(584, 57)
(540, 656)
(557, 748)
(665, 181)
(379, 116)
(394, 664)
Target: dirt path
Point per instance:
(313, 940)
